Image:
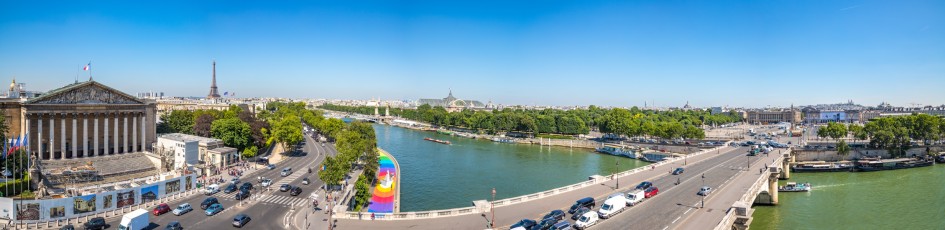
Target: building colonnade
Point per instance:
(68, 135)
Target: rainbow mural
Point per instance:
(382, 201)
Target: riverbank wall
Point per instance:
(831, 155)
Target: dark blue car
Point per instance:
(525, 223)
(557, 214)
(644, 185)
(587, 202)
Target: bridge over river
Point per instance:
(739, 180)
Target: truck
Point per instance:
(635, 197)
(134, 220)
(612, 206)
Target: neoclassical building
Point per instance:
(82, 120)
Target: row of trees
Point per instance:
(630, 122)
(356, 144)
(236, 127)
(893, 133)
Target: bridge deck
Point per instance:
(718, 203)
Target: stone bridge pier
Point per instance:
(763, 192)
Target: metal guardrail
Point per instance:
(512, 200)
(729, 219)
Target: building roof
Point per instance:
(188, 138)
(222, 150)
(58, 93)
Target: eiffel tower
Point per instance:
(213, 85)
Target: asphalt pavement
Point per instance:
(268, 209)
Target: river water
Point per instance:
(436, 176)
(897, 199)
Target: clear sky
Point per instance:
(612, 53)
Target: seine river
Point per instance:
(898, 199)
(436, 176)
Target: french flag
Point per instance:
(87, 67)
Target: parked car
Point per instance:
(161, 209)
(285, 187)
(230, 188)
(644, 185)
(67, 227)
(588, 219)
(557, 214)
(296, 191)
(214, 209)
(562, 225)
(586, 202)
(579, 212)
(678, 171)
(182, 209)
(174, 225)
(612, 206)
(207, 202)
(546, 223)
(240, 220)
(97, 223)
(635, 197)
(650, 192)
(704, 191)
(524, 223)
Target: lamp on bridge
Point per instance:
(492, 209)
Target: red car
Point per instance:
(650, 192)
(161, 209)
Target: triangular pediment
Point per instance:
(89, 92)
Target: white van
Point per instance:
(612, 206)
(588, 219)
(211, 189)
(134, 220)
(635, 197)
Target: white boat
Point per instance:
(795, 187)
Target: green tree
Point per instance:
(250, 152)
(287, 131)
(178, 121)
(842, 148)
(233, 132)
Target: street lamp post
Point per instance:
(615, 174)
(703, 195)
(492, 209)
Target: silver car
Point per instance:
(704, 191)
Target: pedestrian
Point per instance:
(359, 215)
(372, 216)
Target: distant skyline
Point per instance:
(608, 53)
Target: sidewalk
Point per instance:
(717, 206)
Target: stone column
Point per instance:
(124, 144)
(85, 135)
(39, 136)
(52, 136)
(95, 134)
(115, 135)
(62, 136)
(773, 187)
(144, 133)
(105, 135)
(75, 136)
(134, 133)
(786, 167)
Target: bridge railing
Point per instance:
(513, 200)
(749, 197)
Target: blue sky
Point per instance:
(613, 53)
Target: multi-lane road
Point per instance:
(268, 209)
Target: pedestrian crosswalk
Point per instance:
(284, 200)
(291, 177)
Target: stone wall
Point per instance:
(831, 155)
